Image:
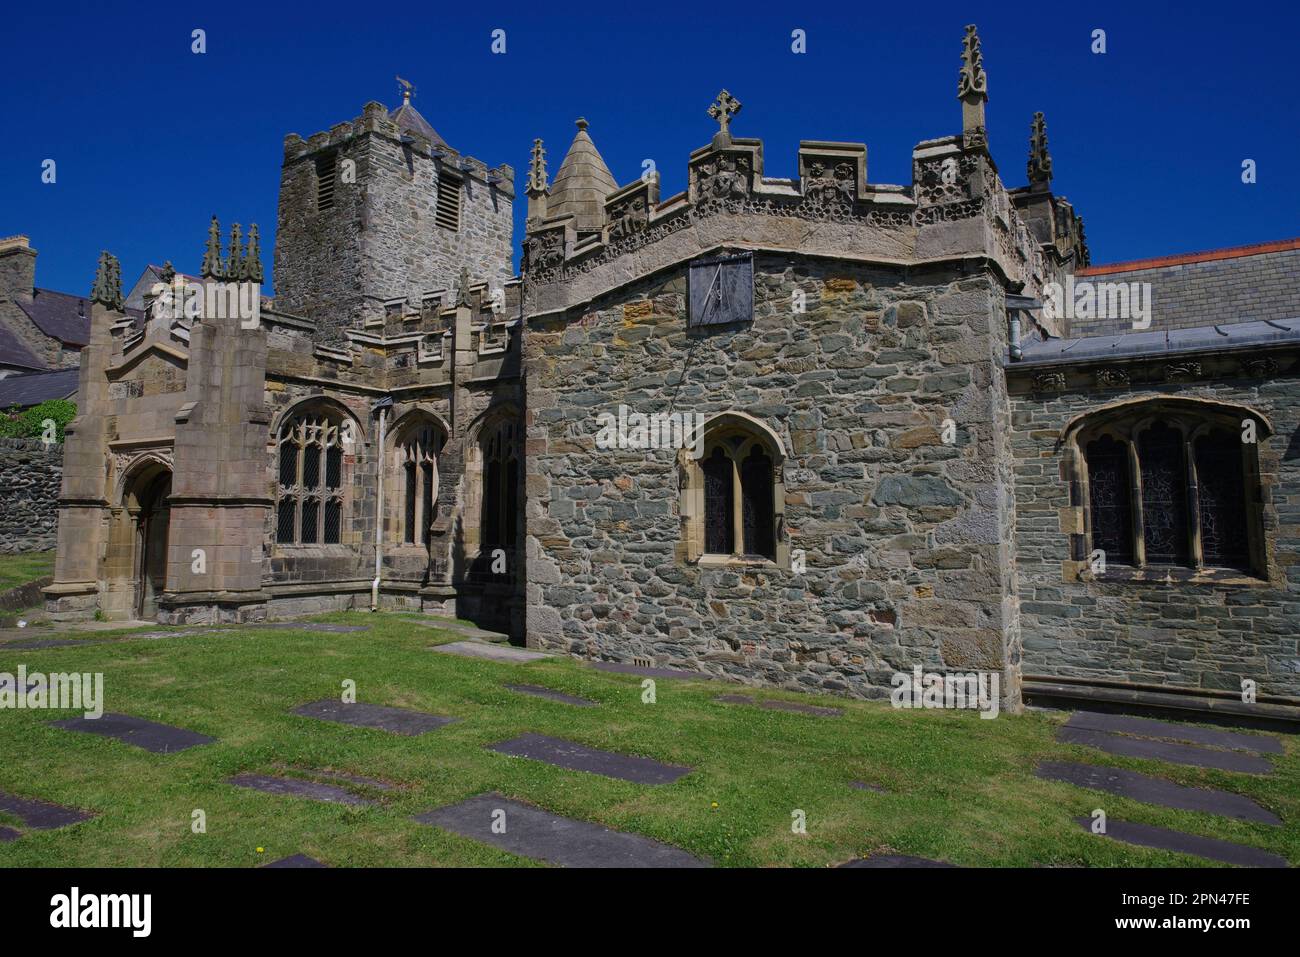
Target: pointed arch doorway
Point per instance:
(147, 503)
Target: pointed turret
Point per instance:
(582, 184)
(537, 191)
(253, 257)
(409, 120)
(107, 290)
(973, 91)
(236, 255)
(1040, 161)
(211, 268)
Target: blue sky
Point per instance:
(150, 139)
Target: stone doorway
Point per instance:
(151, 528)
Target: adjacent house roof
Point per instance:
(58, 315)
(25, 391)
(15, 352)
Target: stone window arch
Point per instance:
(1170, 484)
(498, 524)
(418, 447)
(733, 498)
(310, 477)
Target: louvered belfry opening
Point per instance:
(447, 210)
(325, 178)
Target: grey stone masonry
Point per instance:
(30, 475)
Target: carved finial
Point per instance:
(537, 169)
(723, 109)
(107, 290)
(408, 89)
(211, 268)
(251, 267)
(1040, 161)
(462, 298)
(236, 254)
(972, 80)
(168, 272)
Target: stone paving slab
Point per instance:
(894, 860)
(293, 787)
(536, 833)
(296, 860)
(578, 757)
(150, 735)
(1152, 790)
(776, 704)
(41, 815)
(618, 667)
(397, 720)
(8, 834)
(478, 649)
(538, 691)
(1188, 754)
(1162, 838)
(1150, 728)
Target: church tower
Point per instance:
(379, 213)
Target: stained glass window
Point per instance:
(719, 504)
(306, 512)
(1222, 498)
(1110, 501)
(1164, 496)
(756, 504)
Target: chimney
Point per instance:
(17, 267)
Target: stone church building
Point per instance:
(880, 437)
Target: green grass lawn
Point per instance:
(961, 789)
(18, 570)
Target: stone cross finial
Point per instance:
(236, 254)
(107, 290)
(537, 169)
(462, 299)
(972, 80)
(211, 268)
(1040, 161)
(723, 109)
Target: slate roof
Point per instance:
(59, 315)
(28, 390)
(408, 118)
(15, 352)
(1215, 338)
(1238, 285)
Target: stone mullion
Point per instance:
(1135, 495)
(1193, 502)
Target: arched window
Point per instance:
(1176, 487)
(419, 456)
(499, 520)
(739, 495)
(309, 506)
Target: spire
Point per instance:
(252, 264)
(582, 184)
(973, 91)
(536, 189)
(211, 268)
(107, 290)
(236, 254)
(409, 120)
(1040, 161)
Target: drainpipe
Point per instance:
(1015, 305)
(382, 407)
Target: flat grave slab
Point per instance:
(617, 667)
(41, 815)
(538, 691)
(30, 644)
(864, 786)
(894, 860)
(150, 735)
(776, 704)
(1152, 790)
(8, 834)
(1161, 838)
(1150, 728)
(293, 787)
(340, 776)
(397, 720)
(469, 631)
(537, 833)
(296, 860)
(479, 649)
(578, 757)
(1188, 754)
(304, 626)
